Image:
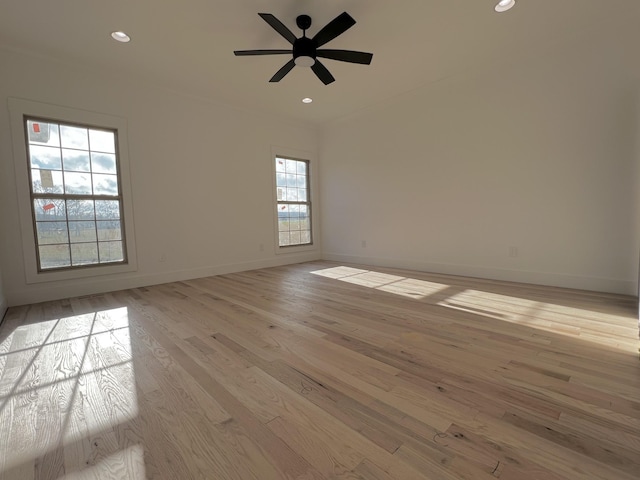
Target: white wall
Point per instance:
(536, 154)
(201, 177)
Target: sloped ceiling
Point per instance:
(188, 45)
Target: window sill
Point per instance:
(85, 272)
(295, 249)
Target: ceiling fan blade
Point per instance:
(241, 53)
(283, 71)
(335, 27)
(346, 56)
(323, 74)
(279, 27)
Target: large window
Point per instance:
(76, 197)
(74, 192)
(293, 202)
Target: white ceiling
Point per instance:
(188, 45)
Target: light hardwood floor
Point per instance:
(322, 371)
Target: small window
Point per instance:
(76, 194)
(293, 202)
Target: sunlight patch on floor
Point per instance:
(614, 331)
(492, 305)
(78, 369)
(610, 330)
(403, 286)
(132, 457)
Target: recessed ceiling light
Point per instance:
(121, 37)
(504, 5)
(307, 100)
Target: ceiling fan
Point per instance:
(305, 50)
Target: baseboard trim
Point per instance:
(43, 293)
(597, 284)
(4, 306)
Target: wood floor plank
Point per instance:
(322, 371)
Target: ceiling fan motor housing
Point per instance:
(304, 52)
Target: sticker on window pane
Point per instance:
(54, 256)
(84, 253)
(43, 132)
(49, 209)
(46, 181)
(280, 164)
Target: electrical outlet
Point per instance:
(364, 244)
(513, 252)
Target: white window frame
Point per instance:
(18, 110)
(295, 154)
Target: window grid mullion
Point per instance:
(95, 227)
(66, 215)
(292, 202)
(74, 196)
